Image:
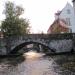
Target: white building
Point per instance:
(73, 5)
(67, 13)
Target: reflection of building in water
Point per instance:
(66, 14)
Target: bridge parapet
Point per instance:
(43, 36)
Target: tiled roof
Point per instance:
(61, 22)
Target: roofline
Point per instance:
(64, 7)
(55, 22)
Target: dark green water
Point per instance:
(37, 64)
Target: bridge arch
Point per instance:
(20, 46)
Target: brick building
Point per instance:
(58, 26)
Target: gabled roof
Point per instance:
(67, 4)
(59, 12)
(60, 22)
(63, 23)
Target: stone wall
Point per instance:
(60, 42)
(61, 45)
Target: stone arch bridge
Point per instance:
(54, 42)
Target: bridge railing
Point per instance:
(40, 36)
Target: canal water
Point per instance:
(33, 63)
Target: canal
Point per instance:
(33, 63)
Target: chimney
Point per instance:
(73, 4)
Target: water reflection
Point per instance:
(33, 55)
(33, 63)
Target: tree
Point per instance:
(13, 24)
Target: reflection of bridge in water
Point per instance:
(52, 42)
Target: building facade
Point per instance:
(67, 14)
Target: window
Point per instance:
(68, 11)
(68, 21)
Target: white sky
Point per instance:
(39, 12)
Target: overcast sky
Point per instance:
(39, 12)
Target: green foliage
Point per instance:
(13, 24)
